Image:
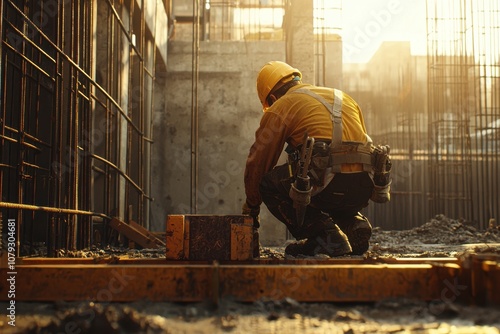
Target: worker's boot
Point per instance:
(358, 230)
(332, 242)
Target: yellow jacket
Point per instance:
(287, 120)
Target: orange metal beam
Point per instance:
(484, 278)
(33, 261)
(189, 283)
(337, 283)
(471, 280)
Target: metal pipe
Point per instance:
(87, 125)
(130, 105)
(148, 126)
(75, 112)
(56, 136)
(2, 110)
(123, 28)
(141, 199)
(110, 48)
(20, 189)
(30, 207)
(194, 106)
(109, 164)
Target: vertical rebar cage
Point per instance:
(328, 42)
(464, 108)
(77, 87)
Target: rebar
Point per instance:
(464, 109)
(71, 143)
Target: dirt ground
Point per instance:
(439, 237)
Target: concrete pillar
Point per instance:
(300, 39)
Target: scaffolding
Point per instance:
(77, 90)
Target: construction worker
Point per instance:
(341, 170)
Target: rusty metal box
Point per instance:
(209, 237)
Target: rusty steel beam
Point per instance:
(471, 280)
(336, 283)
(491, 279)
(189, 283)
(111, 259)
(484, 278)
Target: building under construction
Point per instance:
(122, 120)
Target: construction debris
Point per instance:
(439, 237)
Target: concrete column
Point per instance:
(300, 39)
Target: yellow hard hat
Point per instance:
(269, 75)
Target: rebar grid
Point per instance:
(75, 126)
(464, 109)
(230, 20)
(440, 113)
(327, 27)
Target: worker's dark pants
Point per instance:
(344, 197)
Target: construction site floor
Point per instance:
(266, 316)
(442, 239)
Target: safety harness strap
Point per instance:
(335, 110)
(342, 152)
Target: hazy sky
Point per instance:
(366, 23)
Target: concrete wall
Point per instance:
(229, 113)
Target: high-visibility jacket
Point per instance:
(287, 120)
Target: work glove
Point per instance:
(381, 194)
(252, 212)
(382, 175)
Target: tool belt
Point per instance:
(325, 163)
(328, 157)
(326, 160)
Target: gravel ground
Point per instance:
(439, 237)
(265, 316)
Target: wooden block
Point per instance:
(209, 237)
(241, 241)
(132, 234)
(147, 233)
(175, 238)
